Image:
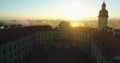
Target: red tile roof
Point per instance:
(108, 44)
(16, 33)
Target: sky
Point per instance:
(56, 9)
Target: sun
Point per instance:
(75, 11)
(76, 24)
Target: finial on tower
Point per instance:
(104, 5)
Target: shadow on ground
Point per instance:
(59, 55)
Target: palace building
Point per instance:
(102, 44)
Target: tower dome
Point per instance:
(103, 12)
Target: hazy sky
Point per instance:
(70, 9)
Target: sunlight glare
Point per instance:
(75, 11)
(76, 24)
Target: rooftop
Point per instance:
(108, 44)
(17, 33)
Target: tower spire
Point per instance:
(103, 17)
(103, 5)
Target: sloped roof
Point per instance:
(16, 33)
(108, 44)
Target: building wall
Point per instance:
(83, 41)
(18, 50)
(103, 21)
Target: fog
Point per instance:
(87, 23)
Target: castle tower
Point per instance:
(103, 17)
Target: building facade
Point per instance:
(16, 50)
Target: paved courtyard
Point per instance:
(59, 55)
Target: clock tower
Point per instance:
(103, 17)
